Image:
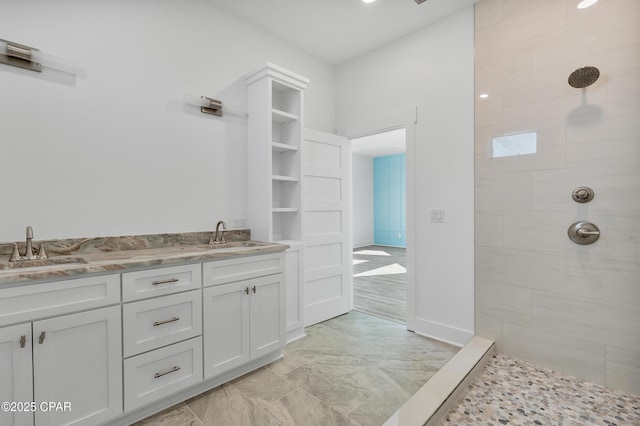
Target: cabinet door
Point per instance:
(226, 327)
(77, 359)
(16, 380)
(267, 315)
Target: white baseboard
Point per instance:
(444, 333)
(362, 244)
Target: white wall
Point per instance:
(362, 194)
(115, 151)
(433, 70)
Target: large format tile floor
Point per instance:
(354, 370)
(513, 392)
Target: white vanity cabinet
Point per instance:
(244, 318)
(59, 356)
(77, 359)
(114, 349)
(16, 383)
(162, 334)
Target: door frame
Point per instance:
(407, 118)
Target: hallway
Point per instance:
(380, 282)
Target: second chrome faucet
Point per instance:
(219, 237)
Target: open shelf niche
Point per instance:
(275, 141)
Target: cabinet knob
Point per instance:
(41, 338)
(246, 290)
(23, 341)
(254, 289)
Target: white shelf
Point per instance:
(282, 116)
(285, 178)
(275, 143)
(283, 147)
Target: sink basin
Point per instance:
(41, 264)
(238, 244)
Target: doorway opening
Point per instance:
(379, 224)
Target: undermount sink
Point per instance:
(41, 264)
(238, 244)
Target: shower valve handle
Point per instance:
(583, 233)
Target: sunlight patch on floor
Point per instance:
(392, 269)
(359, 261)
(372, 252)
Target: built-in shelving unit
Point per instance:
(275, 175)
(275, 139)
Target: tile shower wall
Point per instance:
(542, 298)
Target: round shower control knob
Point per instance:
(582, 194)
(583, 233)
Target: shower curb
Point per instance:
(433, 400)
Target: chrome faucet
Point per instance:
(28, 252)
(219, 238)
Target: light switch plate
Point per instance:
(437, 215)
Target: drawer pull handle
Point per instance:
(42, 336)
(164, 373)
(170, 280)
(254, 289)
(174, 319)
(246, 290)
(23, 341)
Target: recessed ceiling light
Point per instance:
(586, 3)
(368, 1)
(484, 96)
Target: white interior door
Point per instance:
(327, 257)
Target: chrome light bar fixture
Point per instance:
(211, 106)
(207, 105)
(32, 59)
(19, 55)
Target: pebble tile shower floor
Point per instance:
(513, 392)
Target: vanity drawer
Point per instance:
(244, 268)
(156, 374)
(30, 302)
(160, 281)
(150, 324)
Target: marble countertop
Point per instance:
(77, 257)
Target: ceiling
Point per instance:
(380, 144)
(339, 30)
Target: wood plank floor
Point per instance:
(379, 282)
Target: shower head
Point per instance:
(584, 77)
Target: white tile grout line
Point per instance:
(432, 402)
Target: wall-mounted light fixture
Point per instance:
(19, 55)
(207, 105)
(211, 106)
(30, 58)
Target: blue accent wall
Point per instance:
(389, 200)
